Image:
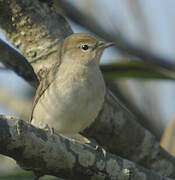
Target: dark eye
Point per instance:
(85, 47)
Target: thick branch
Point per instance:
(117, 130)
(15, 61)
(35, 150)
(37, 31)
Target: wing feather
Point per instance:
(43, 86)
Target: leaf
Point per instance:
(135, 69)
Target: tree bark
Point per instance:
(36, 150)
(37, 30)
(16, 62)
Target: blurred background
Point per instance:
(146, 24)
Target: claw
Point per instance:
(49, 129)
(93, 143)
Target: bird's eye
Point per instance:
(85, 47)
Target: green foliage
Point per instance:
(135, 69)
(25, 175)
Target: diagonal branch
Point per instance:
(117, 130)
(36, 30)
(42, 153)
(16, 62)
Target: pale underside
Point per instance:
(70, 104)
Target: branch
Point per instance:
(117, 130)
(36, 30)
(124, 46)
(16, 62)
(38, 39)
(147, 122)
(35, 150)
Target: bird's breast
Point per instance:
(74, 99)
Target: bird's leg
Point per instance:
(97, 147)
(46, 127)
(101, 149)
(50, 129)
(76, 138)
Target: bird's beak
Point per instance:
(106, 44)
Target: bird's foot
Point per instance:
(76, 138)
(49, 129)
(91, 143)
(102, 150)
(97, 147)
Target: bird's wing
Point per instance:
(44, 84)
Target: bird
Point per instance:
(70, 97)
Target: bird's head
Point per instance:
(83, 48)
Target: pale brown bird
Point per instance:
(71, 96)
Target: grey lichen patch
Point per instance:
(59, 156)
(77, 148)
(21, 127)
(86, 158)
(98, 176)
(139, 175)
(23, 21)
(15, 8)
(65, 160)
(146, 145)
(165, 166)
(126, 173)
(72, 160)
(112, 167)
(128, 164)
(100, 165)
